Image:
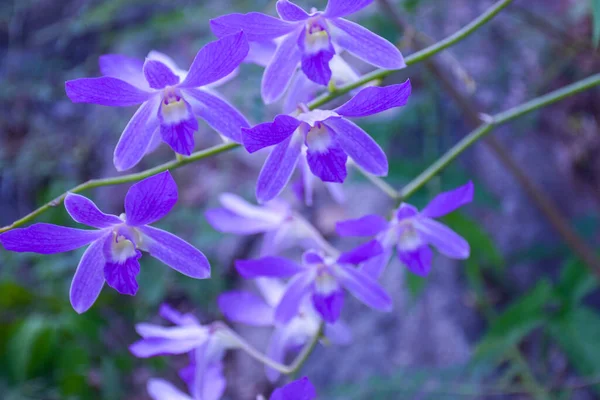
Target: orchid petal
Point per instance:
(158, 346)
(445, 203)
(216, 60)
(375, 266)
(89, 278)
(276, 267)
(269, 133)
(174, 316)
(328, 165)
(84, 211)
(362, 253)
(278, 168)
(301, 389)
(121, 275)
(280, 71)
(45, 238)
(298, 287)
(136, 137)
(246, 308)
(366, 45)
(329, 305)
(105, 91)
(128, 69)
(151, 199)
(289, 11)
(341, 8)
(159, 75)
(418, 261)
(448, 242)
(369, 225)
(218, 114)
(364, 287)
(376, 99)
(175, 252)
(258, 27)
(361, 147)
(179, 135)
(226, 221)
(159, 389)
(261, 53)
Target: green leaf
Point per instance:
(595, 4)
(13, 296)
(31, 348)
(575, 283)
(516, 322)
(578, 334)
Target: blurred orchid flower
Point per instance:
(250, 309)
(413, 232)
(206, 345)
(281, 226)
(322, 278)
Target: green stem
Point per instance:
(94, 183)
(282, 368)
(416, 57)
(493, 122)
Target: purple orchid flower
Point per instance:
(309, 40)
(412, 232)
(329, 138)
(250, 309)
(323, 278)
(301, 389)
(117, 244)
(282, 227)
(206, 345)
(275, 220)
(170, 99)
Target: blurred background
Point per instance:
(520, 319)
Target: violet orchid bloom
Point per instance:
(301, 389)
(206, 345)
(329, 138)
(170, 99)
(117, 244)
(250, 309)
(308, 41)
(274, 219)
(323, 278)
(282, 227)
(413, 232)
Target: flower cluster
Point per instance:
(301, 299)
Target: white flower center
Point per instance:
(173, 107)
(317, 38)
(121, 249)
(318, 138)
(409, 238)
